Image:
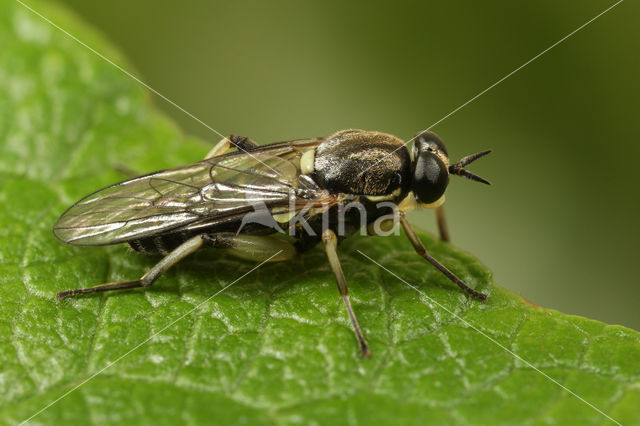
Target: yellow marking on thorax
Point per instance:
(410, 203)
(307, 162)
(378, 198)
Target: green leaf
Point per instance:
(277, 346)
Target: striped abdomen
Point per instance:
(161, 244)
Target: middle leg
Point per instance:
(330, 241)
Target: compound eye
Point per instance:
(428, 141)
(430, 177)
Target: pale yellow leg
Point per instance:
(253, 247)
(330, 241)
(381, 228)
(250, 247)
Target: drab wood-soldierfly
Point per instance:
(205, 204)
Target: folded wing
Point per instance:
(176, 198)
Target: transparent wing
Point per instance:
(170, 199)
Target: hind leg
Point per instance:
(250, 247)
(253, 247)
(175, 256)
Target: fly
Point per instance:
(243, 195)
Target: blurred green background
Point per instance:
(560, 224)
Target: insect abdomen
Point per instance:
(161, 244)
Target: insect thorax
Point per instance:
(361, 162)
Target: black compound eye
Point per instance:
(427, 141)
(430, 177)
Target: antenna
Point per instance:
(458, 168)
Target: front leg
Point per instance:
(442, 224)
(422, 251)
